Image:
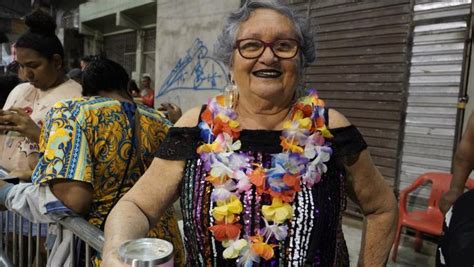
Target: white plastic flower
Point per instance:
(239, 161)
(317, 168)
(248, 258)
(223, 191)
(243, 183)
(276, 230)
(293, 131)
(220, 165)
(233, 248)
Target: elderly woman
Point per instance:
(261, 173)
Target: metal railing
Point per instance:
(14, 251)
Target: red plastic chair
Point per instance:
(425, 221)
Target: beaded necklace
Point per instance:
(301, 163)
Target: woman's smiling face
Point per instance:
(266, 76)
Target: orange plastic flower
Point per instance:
(320, 122)
(226, 231)
(286, 196)
(306, 109)
(207, 116)
(216, 180)
(261, 248)
(293, 181)
(225, 125)
(220, 99)
(257, 177)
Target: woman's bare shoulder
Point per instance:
(337, 119)
(190, 118)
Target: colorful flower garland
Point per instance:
(305, 150)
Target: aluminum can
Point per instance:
(147, 252)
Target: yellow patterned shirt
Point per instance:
(89, 139)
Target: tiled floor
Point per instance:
(406, 254)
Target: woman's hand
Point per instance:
(172, 112)
(2, 183)
(22, 175)
(111, 260)
(2, 204)
(448, 199)
(16, 119)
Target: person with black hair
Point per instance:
(85, 61)
(93, 150)
(76, 75)
(40, 58)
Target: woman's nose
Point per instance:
(268, 57)
(28, 74)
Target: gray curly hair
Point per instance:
(226, 40)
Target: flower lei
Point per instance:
(305, 150)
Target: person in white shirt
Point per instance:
(40, 56)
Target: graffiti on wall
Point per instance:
(195, 71)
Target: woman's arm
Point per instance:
(33, 202)
(463, 163)
(142, 206)
(376, 200)
(75, 195)
(379, 207)
(140, 209)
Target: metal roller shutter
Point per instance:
(435, 79)
(361, 69)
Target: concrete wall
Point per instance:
(186, 31)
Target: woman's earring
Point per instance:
(231, 94)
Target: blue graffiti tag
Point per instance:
(195, 71)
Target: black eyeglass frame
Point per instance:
(265, 45)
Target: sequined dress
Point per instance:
(315, 235)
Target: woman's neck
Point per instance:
(116, 95)
(263, 115)
(62, 78)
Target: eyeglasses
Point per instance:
(254, 48)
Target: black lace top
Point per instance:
(315, 235)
